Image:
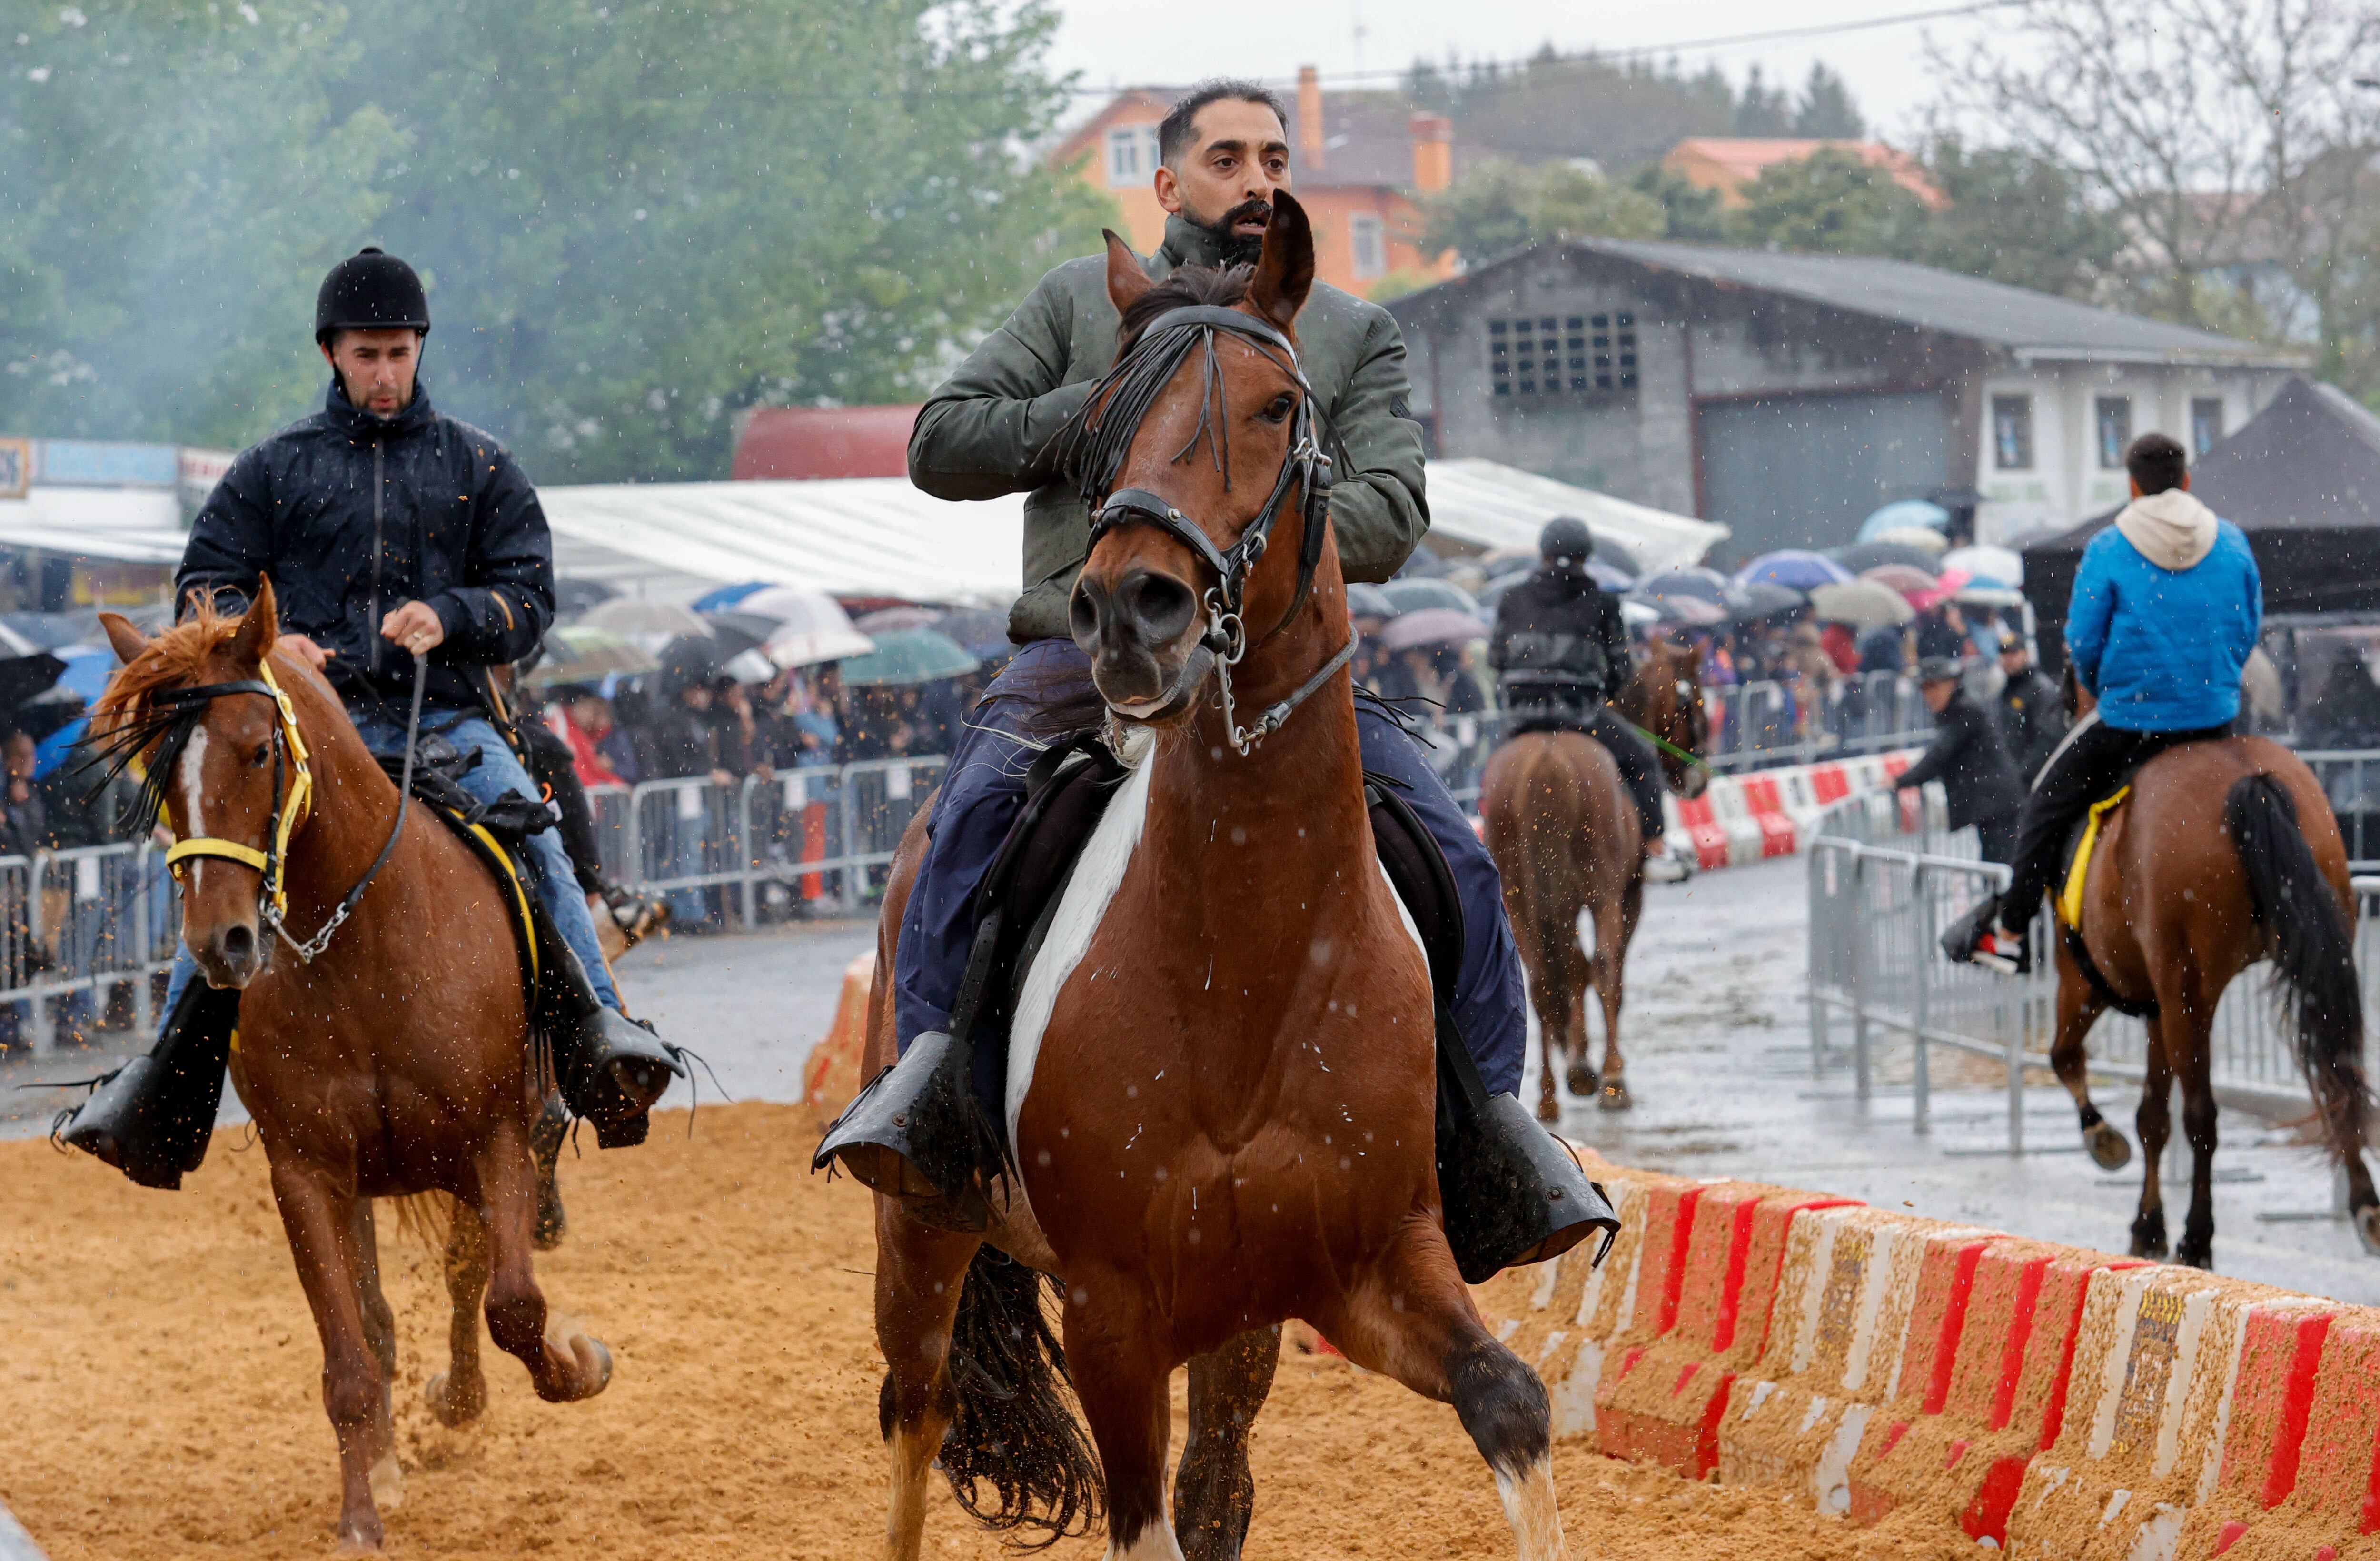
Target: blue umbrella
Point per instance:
(1794, 568)
(727, 596)
(1904, 512)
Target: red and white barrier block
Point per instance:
(1764, 813)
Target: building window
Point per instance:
(1551, 354)
(2206, 425)
(2012, 433)
(1368, 246)
(1132, 154)
(2115, 431)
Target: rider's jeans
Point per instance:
(497, 772)
(985, 787)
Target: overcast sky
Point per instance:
(1127, 42)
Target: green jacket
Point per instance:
(985, 432)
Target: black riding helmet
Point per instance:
(1566, 541)
(371, 290)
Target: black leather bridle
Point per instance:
(1129, 389)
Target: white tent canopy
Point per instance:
(116, 525)
(1485, 506)
(878, 536)
(854, 536)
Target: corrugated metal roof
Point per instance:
(2037, 323)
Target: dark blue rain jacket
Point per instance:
(353, 516)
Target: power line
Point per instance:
(1643, 51)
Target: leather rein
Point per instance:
(293, 803)
(1134, 384)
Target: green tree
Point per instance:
(2017, 218)
(1501, 206)
(1826, 111)
(1689, 212)
(1762, 110)
(1572, 204)
(634, 218)
(1830, 201)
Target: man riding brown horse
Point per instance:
(395, 537)
(1560, 650)
(991, 430)
(2166, 610)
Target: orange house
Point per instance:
(1357, 161)
(1728, 164)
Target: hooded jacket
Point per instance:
(987, 431)
(353, 516)
(2166, 610)
(1967, 755)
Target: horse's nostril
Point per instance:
(238, 945)
(1161, 607)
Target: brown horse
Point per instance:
(1566, 838)
(397, 1062)
(2225, 853)
(1220, 1081)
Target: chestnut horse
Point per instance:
(397, 1062)
(1222, 1091)
(2225, 853)
(1566, 840)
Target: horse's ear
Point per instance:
(1128, 279)
(258, 627)
(1285, 274)
(129, 642)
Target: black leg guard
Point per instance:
(152, 1118)
(611, 1068)
(918, 1134)
(1511, 1194)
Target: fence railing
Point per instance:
(83, 934)
(1878, 903)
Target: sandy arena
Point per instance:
(160, 1387)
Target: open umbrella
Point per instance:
(1940, 591)
(1904, 512)
(1639, 615)
(1862, 604)
(1794, 568)
(811, 627)
(23, 676)
(983, 631)
(727, 597)
(1901, 578)
(738, 632)
(1694, 612)
(580, 653)
(1999, 566)
(1432, 626)
(884, 620)
(1708, 584)
(1865, 556)
(908, 655)
(1762, 600)
(650, 624)
(1924, 539)
(1415, 592)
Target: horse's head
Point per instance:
(192, 709)
(1198, 455)
(1673, 687)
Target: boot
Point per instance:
(918, 1134)
(1513, 1193)
(612, 1068)
(1977, 938)
(152, 1118)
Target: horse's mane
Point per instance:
(128, 727)
(1220, 285)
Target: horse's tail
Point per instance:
(1016, 1429)
(2312, 946)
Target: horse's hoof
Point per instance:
(2110, 1151)
(450, 1409)
(2367, 1228)
(2148, 1241)
(594, 1364)
(1614, 1095)
(1548, 1108)
(1582, 1080)
(360, 1538)
(2190, 1254)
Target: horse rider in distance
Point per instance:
(2166, 612)
(1224, 152)
(392, 531)
(1561, 651)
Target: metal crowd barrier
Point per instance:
(83, 936)
(1878, 904)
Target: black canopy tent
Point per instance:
(2301, 478)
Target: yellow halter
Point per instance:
(291, 809)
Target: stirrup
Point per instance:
(1514, 1193)
(612, 1069)
(917, 1136)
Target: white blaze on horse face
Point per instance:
(194, 791)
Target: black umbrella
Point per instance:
(1862, 557)
(23, 676)
(687, 659)
(1762, 600)
(738, 632)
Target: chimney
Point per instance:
(1433, 152)
(1309, 117)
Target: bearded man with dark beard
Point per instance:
(990, 431)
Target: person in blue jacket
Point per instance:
(2166, 610)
